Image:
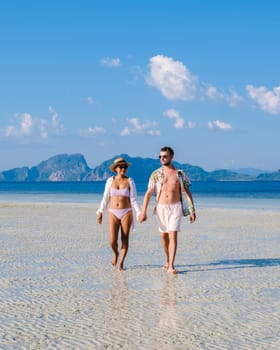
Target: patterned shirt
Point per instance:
(157, 176)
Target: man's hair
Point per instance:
(169, 149)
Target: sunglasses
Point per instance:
(163, 157)
(122, 167)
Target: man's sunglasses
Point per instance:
(162, 157)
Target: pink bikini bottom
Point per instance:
(119, 213)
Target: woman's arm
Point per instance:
(133, 197)
(106, 196)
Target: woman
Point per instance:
(120, 197)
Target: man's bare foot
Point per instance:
(172, 271)
(115, 260)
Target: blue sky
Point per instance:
(108, 77)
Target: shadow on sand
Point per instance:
(214, 266)
(229, 265)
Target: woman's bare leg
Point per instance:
(114, 226)
(126, 223)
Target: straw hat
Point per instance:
(117, 162)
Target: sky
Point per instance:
(107, 77)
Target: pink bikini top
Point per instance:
(119, 192)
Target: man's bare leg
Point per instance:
(165, 244)
(114, 226)
(172, 251)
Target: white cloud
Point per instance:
(147, 127)
(214, 94)
(23, 126)
(267, 100)
(173, 114)
(26, 126)
(191, 124)
(175, 81)
(153, 132)
(125, 131)
(233, 99)
(217, 124)
(172, 78)
(91, 131)
(56, 125)
(42, 126)
(111, 62)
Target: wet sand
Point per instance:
(59, 291)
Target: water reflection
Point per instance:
(169, 314)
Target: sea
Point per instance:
(222, 194)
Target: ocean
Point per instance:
(233, 194)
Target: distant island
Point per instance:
(73, 167)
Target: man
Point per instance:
(170, 185)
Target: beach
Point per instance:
(59, 291)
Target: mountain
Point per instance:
(74, 167)
(275, 176)
(58, 168)
(142, 168)
(17, 174)
(250, 171)
(227, 175)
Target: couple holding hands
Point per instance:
(171, 187)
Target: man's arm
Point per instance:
(191, 204)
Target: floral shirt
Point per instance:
(156, 180)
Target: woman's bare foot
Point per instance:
(172, 271)
(121, 268)
(115, 259)
(166, 265)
